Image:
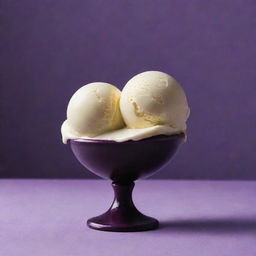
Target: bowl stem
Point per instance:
(122, 215)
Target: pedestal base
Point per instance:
(140, 223)
(123, 215)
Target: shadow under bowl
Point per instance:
(123, 163)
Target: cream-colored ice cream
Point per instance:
(92, 110)
(151, 103)
(154, 98)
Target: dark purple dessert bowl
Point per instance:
(123, 163)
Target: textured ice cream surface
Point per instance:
(92, 110)
(123, 134)
(154, 98)
(152, 103)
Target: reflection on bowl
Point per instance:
(123, 163)
(126, 161)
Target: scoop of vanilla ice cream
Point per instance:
(92, 110)
(154, 98)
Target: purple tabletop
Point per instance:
(47, 217)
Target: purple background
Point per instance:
(51, 48)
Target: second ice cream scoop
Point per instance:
(154, 98)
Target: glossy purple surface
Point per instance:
(124, 162)
(48, 217)
(122, 215)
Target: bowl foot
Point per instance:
(122, 215)
(140, 223)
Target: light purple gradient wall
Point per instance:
(51, 48)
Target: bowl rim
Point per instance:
(149, 139)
